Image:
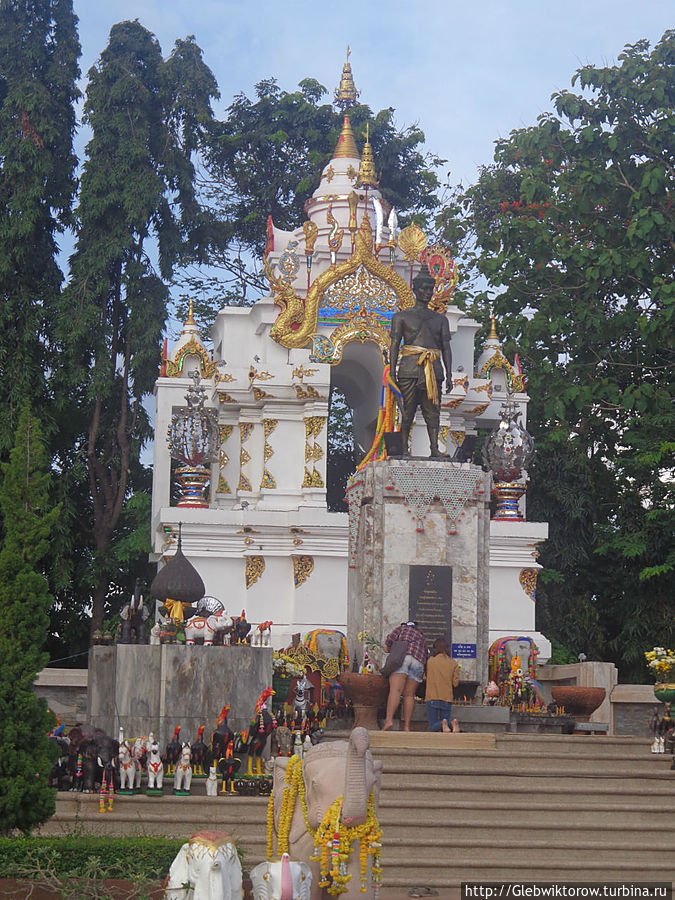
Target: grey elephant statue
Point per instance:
(208, 864)
(281, 880)
(337, 769)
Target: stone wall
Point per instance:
(65, 692)
(155, 688)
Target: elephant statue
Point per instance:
(207, 628)
(281, 880)
(330, 770)
(210, 865)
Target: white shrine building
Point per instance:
(265, 542)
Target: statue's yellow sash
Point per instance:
(426, 358)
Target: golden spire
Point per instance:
(346, 145)
(493, 336)
(190, 319)
(346, 95)
(367, 175)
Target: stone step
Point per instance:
(432, 782)
(511, 846)
(523, 764)
(482, 811)
(558, 752)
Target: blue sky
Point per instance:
(468, 73)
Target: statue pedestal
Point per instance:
(148, 688)
(419, 549)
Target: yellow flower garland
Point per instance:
(333, 840)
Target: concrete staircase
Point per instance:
(537, 807)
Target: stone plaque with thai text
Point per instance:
(430, 600)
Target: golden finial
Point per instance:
(190, 319)
(493, 336)
(346, 145)
(367, 175)
(346, 95)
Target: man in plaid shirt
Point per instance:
(403, 682)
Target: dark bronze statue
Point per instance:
(426, 341)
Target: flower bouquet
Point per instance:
(284, 669)
(661, 663)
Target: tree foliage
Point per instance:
(576, 227)
(25, 797)
(137, 197)
(39, 53)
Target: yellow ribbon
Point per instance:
(175, 609)
(426, 358)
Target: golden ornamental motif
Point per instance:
(367, 175)
(224, 431)
(224, 377)
(307, 393)
(223, 486)
(483, 387)
(224, 397)
(412, 241)
(307, 480)
(308, 452)
(303, 566)
(269, 425)
(317, 453)
(301, 373)
(317, 480)
(297, 320)
(457, 437)
(515, 380)
(336, 233)
(477, 410)
(361, 293)
(311, 233)
(255, 375)
(352, 174)
(244, 484)
(452, 404)
(255, 566)
(259, 394)
(245, 429)
(268, 481)
(192, 348)
(244, 457)
(329, 174)
(528, 582)
(314, 426)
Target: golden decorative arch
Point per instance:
(297, 321)
(498, 361)
(191, 348)
(329, 349)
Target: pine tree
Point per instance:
(25, 796)
(39, 50)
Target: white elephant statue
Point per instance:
(282, 880)
(330, 770)
(210, 865)
(206, 628)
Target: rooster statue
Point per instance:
(254, 739)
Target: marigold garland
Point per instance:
(333, 840)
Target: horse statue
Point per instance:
(129, 770)
(182, 776)
(155, 767)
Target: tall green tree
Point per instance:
(25, 796)
(266, 158)
(137, 205)
(39, 52)
(576, 226)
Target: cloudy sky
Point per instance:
(467, 72)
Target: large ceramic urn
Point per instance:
(367, 693)
(579, 701)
